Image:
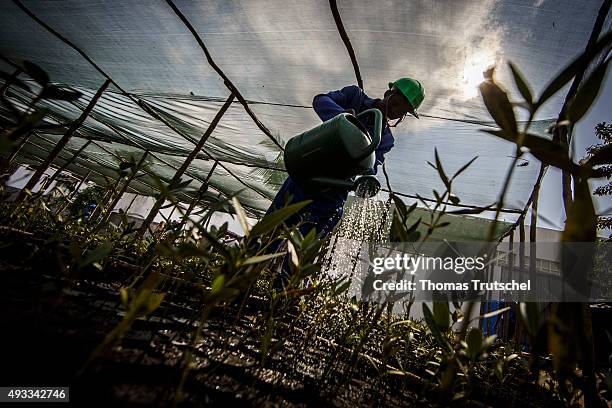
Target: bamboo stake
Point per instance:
(76, 190)
(62, 143)
(114, 202)
(179, 173)
(105, 199)
(65, 165)
(23, 141)
(201, 192)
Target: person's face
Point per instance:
(396, 103)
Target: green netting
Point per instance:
(279, 56)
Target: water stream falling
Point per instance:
(365, 220)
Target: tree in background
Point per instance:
(603, 131)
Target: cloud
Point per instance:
(473, 41)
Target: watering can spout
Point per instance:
(367, 186)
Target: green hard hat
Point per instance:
(412, 90)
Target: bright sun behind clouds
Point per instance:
(473, 67)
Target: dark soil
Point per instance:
(51, 325)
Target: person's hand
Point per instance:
(351, 111)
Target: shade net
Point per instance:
(279, 54)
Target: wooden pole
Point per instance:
(181, 170)
(196, 200)
(533, 240)
(62, 142)
(75, 191)
(65, 165)
(105, 199)
(131, 202)
(23, 141)
(115, 200)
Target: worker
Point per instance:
(403, 97)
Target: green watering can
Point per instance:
(335, 151)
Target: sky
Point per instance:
(552, 214)
(285, 54)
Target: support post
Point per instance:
(533, 239)
(118, 196)
(23, 141)
(62, 142)
(105, 199)
(75, 191)
(201, 192)
(181, 170)
(131, 202)
(510, 265)
(65, 165)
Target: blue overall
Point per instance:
(326, 208)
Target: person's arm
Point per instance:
(386, 143)
(332, 103)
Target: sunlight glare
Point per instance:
(472, 72)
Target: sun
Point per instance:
(473, 67)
